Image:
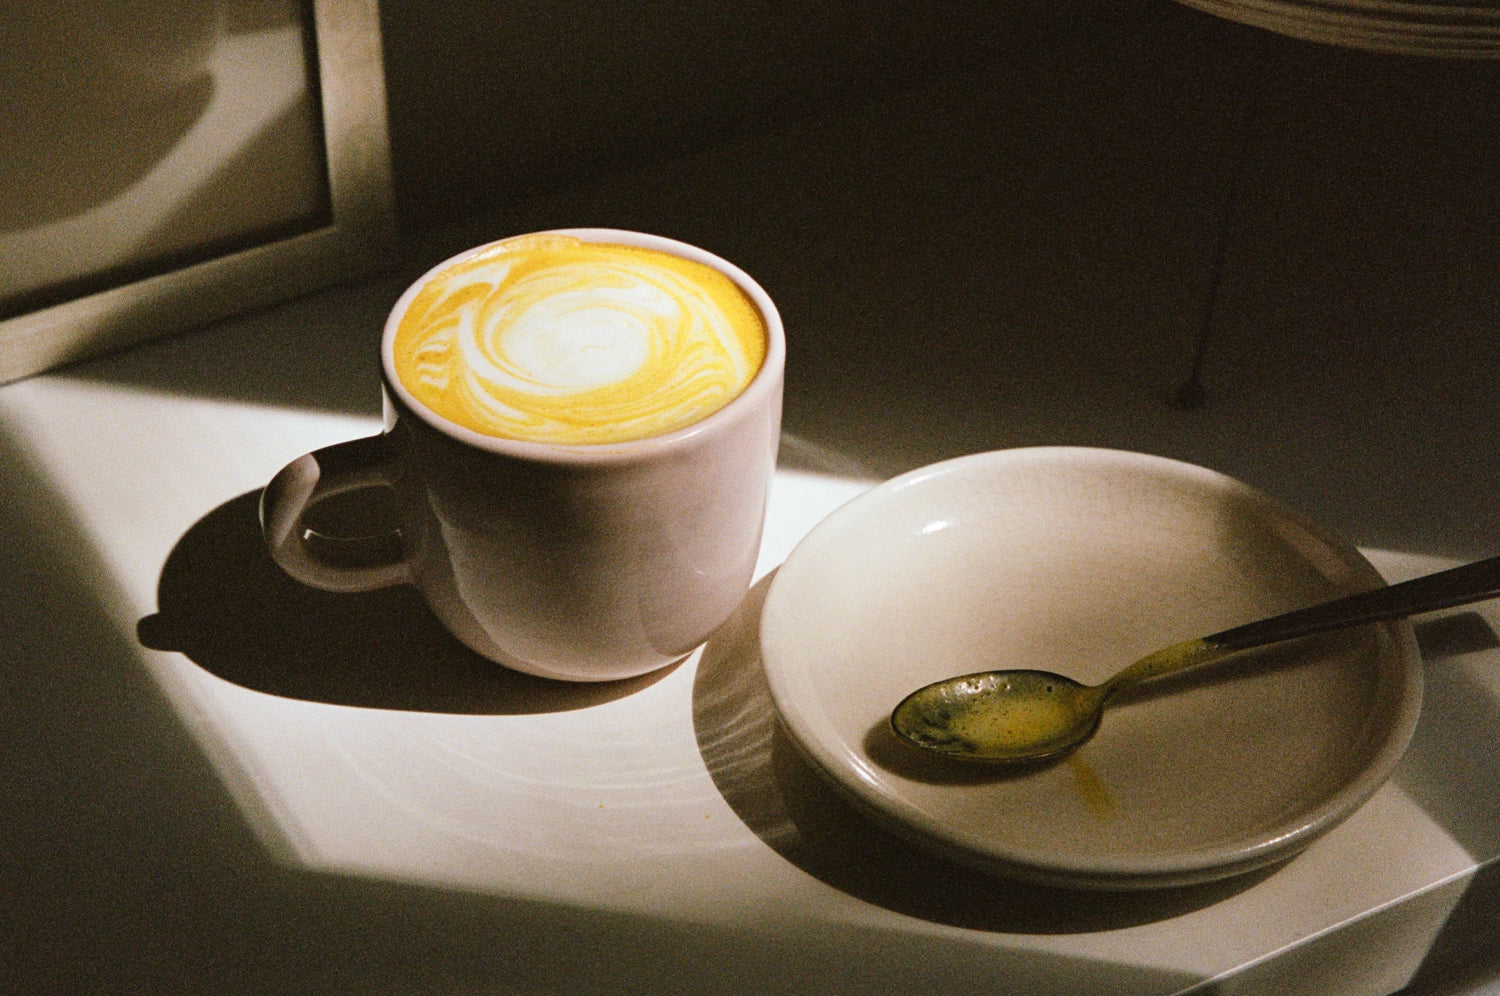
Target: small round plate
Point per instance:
(1079, 561)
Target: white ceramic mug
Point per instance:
(581, 562)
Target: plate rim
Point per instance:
(842, 766)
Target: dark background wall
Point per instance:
(1000, 224)
(498, 98)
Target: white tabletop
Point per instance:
(322, 788)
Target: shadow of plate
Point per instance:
(764, 777)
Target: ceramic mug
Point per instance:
(585, 562)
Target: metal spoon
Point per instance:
(1015, 716)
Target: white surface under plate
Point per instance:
(332, 796)
(1079, 561)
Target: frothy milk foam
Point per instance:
(552, 339)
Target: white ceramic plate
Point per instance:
(1079, 561)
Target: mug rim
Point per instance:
(767, 379)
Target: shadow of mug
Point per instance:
(225, 604)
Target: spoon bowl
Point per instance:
(1001, 716)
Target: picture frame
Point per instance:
(347, 234)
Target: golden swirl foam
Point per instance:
(552, 339)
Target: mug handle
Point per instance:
(333, 563)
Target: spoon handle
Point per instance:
(1459, 586)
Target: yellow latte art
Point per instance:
(552, 339)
